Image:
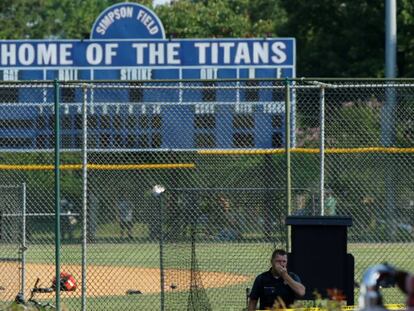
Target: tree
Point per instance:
(216, 18)
(45, 19)
(405, 32)
(336, 38)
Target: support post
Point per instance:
(57, 193)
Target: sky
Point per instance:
(159, 2)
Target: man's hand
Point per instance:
(297, 287)
(280, 270)
(252, 305)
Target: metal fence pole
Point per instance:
(388, 127)
(23, 246)
(158, 191)
(57, 193)
(322, 151)
(288, 160)
(84, 190)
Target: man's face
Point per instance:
(279, 260)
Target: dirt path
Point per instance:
(110, 280)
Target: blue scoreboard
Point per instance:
(128, 43)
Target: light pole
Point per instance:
(157, 192)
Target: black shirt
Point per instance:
(267, 288)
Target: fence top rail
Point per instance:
(282, 81)
(218, 84)
(197, 189)
(37, 214)
(10, 186)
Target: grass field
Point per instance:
(240, 258)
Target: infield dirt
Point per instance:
(109, 280)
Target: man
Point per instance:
(330, 203)
(69, 220)
(125, 216)
(276, 286)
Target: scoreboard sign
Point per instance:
(128, 42)
(92, 54)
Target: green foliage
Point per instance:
(205, 19)
(354, 126)
(337, 38)
(46, 19)
(405, 37)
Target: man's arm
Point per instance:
(297, 287)
(255, 294)
(252, 304)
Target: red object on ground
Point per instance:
(67, 282)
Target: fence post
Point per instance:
(157, 191)
(23, 244)
(322, 150)
(288, 160)
(57, 193)
(84, 190)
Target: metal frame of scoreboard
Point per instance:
(255, 113)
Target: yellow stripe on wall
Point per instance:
(305, 151)
(36, 167)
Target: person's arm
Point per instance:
(255, 293)
(252, 304)
(297, 287)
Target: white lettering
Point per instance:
(156, 109)
(251, 73)
(139, 47)
(26, 54)
(100, 30)
(65, 54)
(156, 53)
(226, 51)
(243, 108)
(136, 74)
(8, 54)
(204, 108)
(214, 53)
(208, 73)
(126, 11)
(47, 54)
(173, 54)
(279, 53)
(41, 54)
(202, 47)
(242, 54)
(109, 52)
(274, 107)
(111, 16)
(278, 72)
(94, 54)
(260, 52)
(147, 21)
(10, 75)
(68, 74)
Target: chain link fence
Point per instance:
(219, 149)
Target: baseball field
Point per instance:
(114, 269)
